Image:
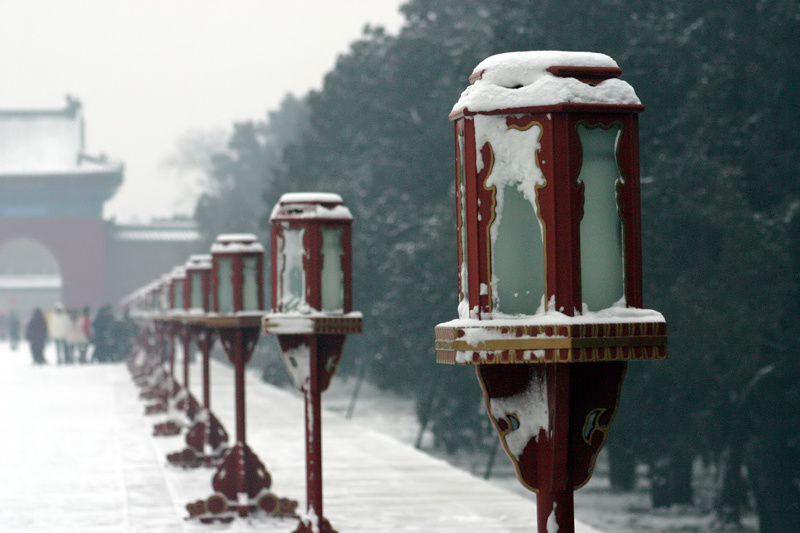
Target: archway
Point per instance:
(30, 276)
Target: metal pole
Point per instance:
(555, 512)
(238, 357)
(205, 348)
(314, 433)
(186, 337)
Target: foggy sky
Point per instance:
(151, 71)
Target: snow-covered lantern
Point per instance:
(311, 258)
(155, 297)
(312, 282)
(237, 274)
(177, 281)
(197, 287)
(164, 291)
(148, 298)
(312, 311)
(549, 258)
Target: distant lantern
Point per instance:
(155, 297)
(549, 257)
(164, 292)
(311, 261)
(237, 274)
(177, 280)
(150, 297)
(197, 287)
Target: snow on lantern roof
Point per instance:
(199, 261)
(310, 197)
(311, 205)
(178, 272)
(540, 78)
(227, 243)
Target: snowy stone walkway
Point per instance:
(78, 455)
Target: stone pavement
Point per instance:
(77, 455)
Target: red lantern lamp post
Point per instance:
(549, 255)
(206, 440)
(197, 294)
(163, 386)
(176, 396)
(241, 482)
(312, 312)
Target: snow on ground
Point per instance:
(596, 503)
(78, 455)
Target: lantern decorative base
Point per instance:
(241, 472)
(241, 487)
(170, 428)
(188, 404)
(157, 408)
(189, 458)
(218, 509)
(322, 526)
(207, 442)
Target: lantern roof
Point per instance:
(198, 262)
(543, 78)
(311, 205)
(178, 272)
(227, 243)
(311, 198)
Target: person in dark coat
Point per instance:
(36, 334)
(103, 330)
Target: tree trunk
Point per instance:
(621, 467)
(772, 478)
(671, 479)
(732, 490)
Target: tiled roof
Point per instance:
(46, 141)
(159, 231)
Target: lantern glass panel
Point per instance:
(517, 256)
(602, 274)
(196, 296)
(462, 199)
(250, 283)
(332, 275)
(292, 275)
(224, 285)
(177, 301)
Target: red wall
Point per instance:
(79, 244)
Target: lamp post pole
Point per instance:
(312, 314)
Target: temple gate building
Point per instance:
(55, 245)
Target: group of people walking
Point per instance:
(76, 336)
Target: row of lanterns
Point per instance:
(549, 270)
(229, 280)
(222, 294)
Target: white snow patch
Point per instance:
(521, 79)
(236, 243)
(297, 363)
(552, 523)
(529, 408)
(618, 313)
